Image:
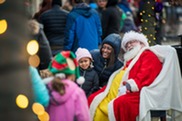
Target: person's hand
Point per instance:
(128, 87)
(45, 73)
(122, 90)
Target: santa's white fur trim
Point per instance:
(134, 87)
(80, 80)
(132, 35)
(111, 115)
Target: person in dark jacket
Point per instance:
(84, 59)
(41, 94)
(44, 53)
(106, 59)
(101, 6)
(124, 5)
(83, 27)
(54, 21)
(129, 24)
(44, 6)
(111, 18)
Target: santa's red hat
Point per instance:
(132, 35)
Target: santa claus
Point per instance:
(120, 99)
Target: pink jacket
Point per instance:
(72, 106)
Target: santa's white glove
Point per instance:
(122, 90)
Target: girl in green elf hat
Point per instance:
(67, 101)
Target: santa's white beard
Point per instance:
(132, 53)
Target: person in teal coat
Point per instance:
(40, 91)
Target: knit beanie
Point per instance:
(65, 62)
(57, 2)
(132, 35)
(82, 53)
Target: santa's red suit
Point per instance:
(140, 71)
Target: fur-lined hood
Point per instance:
(115, 41)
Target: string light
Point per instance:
(38, 109)
(22, 101)
(148, 17)
(3, 26)
(44, 117)
(34, 60)
(32, 47)
(163, 21)
(2, 1)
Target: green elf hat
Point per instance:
(65, 63)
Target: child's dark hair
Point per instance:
(58, 85)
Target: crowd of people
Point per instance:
(92, 72)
